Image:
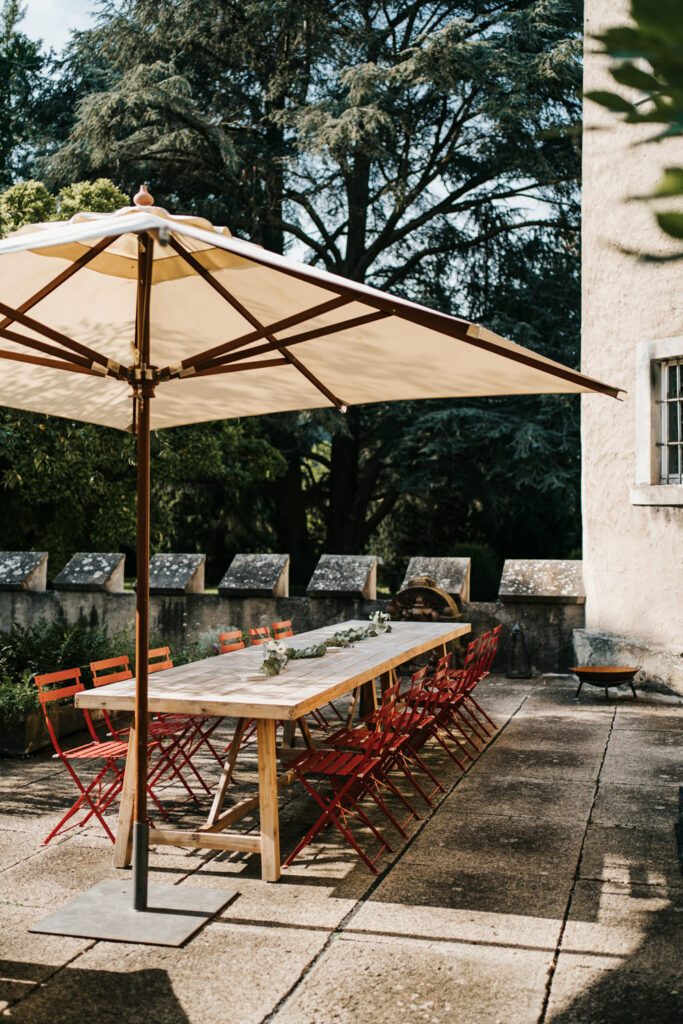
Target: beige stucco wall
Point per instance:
(633, 555)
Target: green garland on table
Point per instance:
(276, 655)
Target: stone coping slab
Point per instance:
(344, 575)
(450, 574)
(23, 570)
(256, 575)
(171, 573)
(543, 580)
(92, 570)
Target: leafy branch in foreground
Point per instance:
(650, 64)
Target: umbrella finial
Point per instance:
(143, 197)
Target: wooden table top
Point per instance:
(233, 685)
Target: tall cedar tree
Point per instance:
(21, 70)
(424, 147)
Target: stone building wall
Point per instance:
(632, 553)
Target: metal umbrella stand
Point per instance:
(274, 335)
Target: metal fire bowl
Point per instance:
(604, 675)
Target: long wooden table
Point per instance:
(232, 685)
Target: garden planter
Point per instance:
(29, 735)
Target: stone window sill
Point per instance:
(657, 494)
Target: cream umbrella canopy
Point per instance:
(141, 320)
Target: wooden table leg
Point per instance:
(228, 767)
(267, 785)
(368, 698)
(123, 848)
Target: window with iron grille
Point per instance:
(658, 421)
(670, 443)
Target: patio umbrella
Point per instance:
(140, 320)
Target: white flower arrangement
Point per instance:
(381, 621)
(275, 657)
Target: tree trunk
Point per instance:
(291, 528)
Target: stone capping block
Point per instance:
(543, 580)
(171, 573)
(256, 576)
(23, 570)
(92, 570)
(450, 574)
(344, 576)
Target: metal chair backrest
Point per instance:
(259, 635)
(282, 629)
(491, 650)
(110, 670)
(159, 659)
(484, 642)
(441, 670)
(60, 686)
(231, 641)
(460, 681)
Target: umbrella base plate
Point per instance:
(173, 914)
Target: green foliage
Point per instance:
(100, 196)
(486, 569)
(27, 202)
(17, 699)
(52, 646)
(650, 56)
(22, 69)
(71, 487)
(47, 647)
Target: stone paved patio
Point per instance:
(544, 887)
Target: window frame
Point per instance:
(649, 488)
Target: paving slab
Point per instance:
(633, 856)
(224, 974)
(67, 868)
(555, 731)
(641, 927)
(14, 849)
(654, 808)
(466, 917)
(27, 960)
(583, 994)
(497, 844)
(539, 799)
(541, 894)
(541, 763)
(644, 757)
(306, 895)
(434, 914)
(361, 979)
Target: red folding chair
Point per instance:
(231, 641)
(110, 756)
(427, 697)
(281, 630)
(487, 652)
(175, 734)
(349, 776)
(452, 706)
(259, 635)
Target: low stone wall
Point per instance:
(179, 620)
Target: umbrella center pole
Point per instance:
(143, 391)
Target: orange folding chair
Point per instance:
(96, 795)
(177, 730)
(259, 635)
(281, 630)
(231, 641)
